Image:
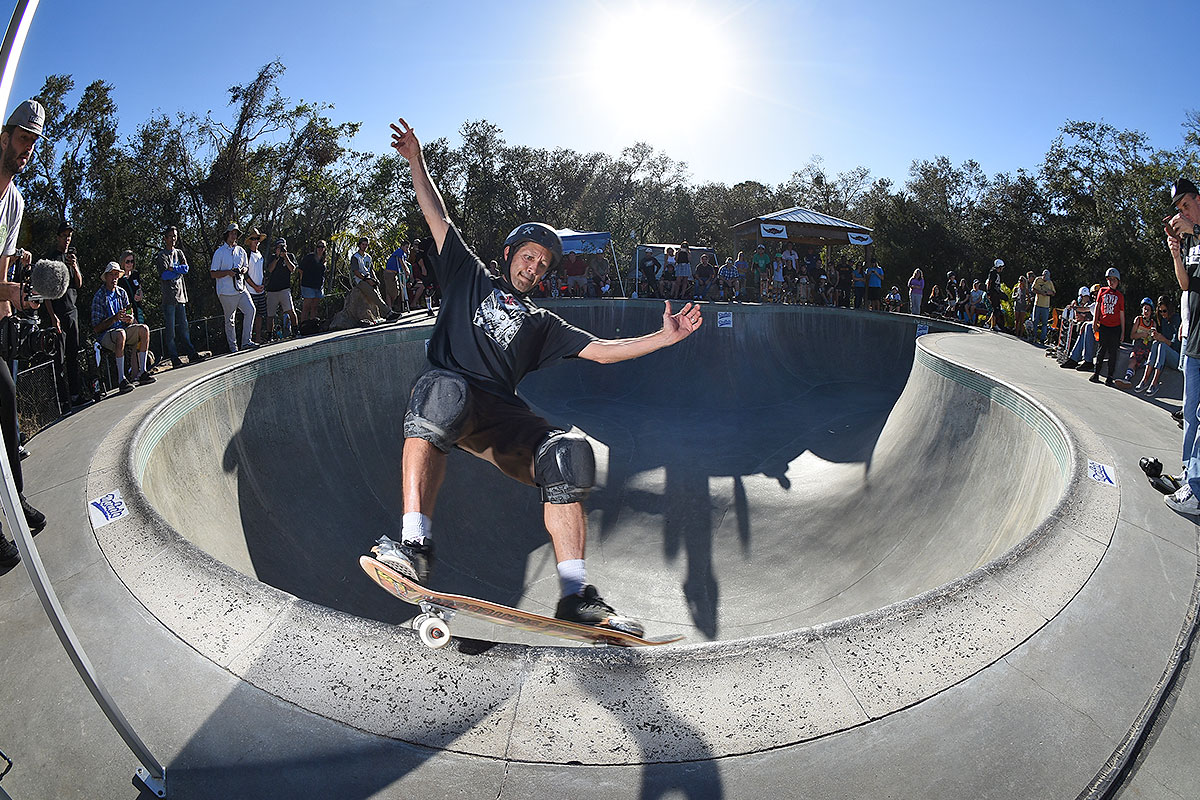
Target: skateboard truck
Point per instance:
(431, 625)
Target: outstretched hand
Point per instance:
(405, 141)
(682, 325)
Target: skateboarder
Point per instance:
(487, 337)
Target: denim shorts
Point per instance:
(309, 293)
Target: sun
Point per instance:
(662, 56)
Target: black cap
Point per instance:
(1180, 188)
(64, 227)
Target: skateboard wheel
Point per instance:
(434, 632)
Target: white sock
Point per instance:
(572, 576)
(121, 368)
(417, 529)
(142, 360)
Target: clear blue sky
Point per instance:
(738, 90)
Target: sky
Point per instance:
(737, 90)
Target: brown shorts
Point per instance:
(506, 433)
(503, 431)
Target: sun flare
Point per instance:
(662, 56)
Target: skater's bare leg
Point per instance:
(424, 468)
(567, 526)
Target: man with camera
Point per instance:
(1183, 240)
(63, 316)
(17, 138)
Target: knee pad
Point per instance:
(565, 468)
(437, 408)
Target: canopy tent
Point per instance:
(590, 242)
(801, 226)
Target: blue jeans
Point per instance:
(175, 319)
(1085, 345)
(1191, 400)
(1041, 323)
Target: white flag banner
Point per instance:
(859, 238)
(773, 231)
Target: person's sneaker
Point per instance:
(1120, 383)
(125, 387)
(1177, 415)
(35, 518)
(589, 608)
(1095, 378)
(1084, 366)
(251, 346)
(146, 379)
(1151, 389)
(392, 317)
(1141, 387)
(413, 561)
(1109, 382)
(1070, 363)
(197, 359)
(1183, 501)
(10, 556)
(176, 363)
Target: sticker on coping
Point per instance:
(922, 329)
(724, 319)
(1101, 473)
(107, 508)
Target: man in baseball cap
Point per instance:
(17, 138)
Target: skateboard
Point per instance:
(437, 608)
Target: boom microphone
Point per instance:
(49, 279)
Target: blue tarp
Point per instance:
(581, 242)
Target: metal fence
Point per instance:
(37, 397)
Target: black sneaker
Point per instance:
(9, 555)
(197, 359)
(177, 363)
(413, 561)
(145, 379)
(1095, 378)
(1084, 366)
(1070, 363)
(35, 518)
(125, 387)
(589, 608)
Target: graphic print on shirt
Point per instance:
(500, 315)
(1108, 302)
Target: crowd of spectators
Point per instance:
(254, 285)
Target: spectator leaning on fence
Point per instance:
(114, 326)
(171, 265)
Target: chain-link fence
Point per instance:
(37, 398)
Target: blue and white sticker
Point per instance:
(724, 319)
(1102, 473)
(922, 329)
(107, 508)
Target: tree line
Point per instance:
(286, 167)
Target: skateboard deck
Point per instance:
(438, 607)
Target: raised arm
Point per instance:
(676, 328)
(428, 197)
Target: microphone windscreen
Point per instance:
(49, 279)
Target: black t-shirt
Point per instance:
(65, 305)
(278, 279)
(1191, 262)
(312, 271)
(485, 331)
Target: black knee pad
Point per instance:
(437, 408)
(565, 468)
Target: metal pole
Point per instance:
(152, 775)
